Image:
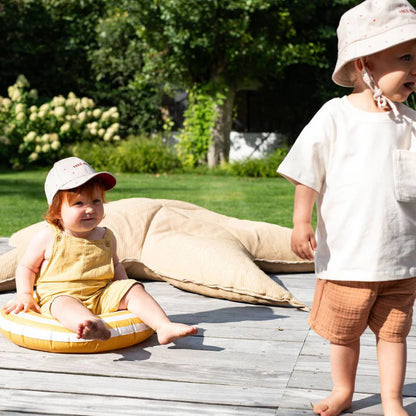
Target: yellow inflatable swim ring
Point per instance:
(38, 332)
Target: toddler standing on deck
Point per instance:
(357, 159)
(74, 263)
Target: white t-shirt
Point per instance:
(364, 233)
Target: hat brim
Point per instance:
(366, 47)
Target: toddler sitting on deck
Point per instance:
(74, 263)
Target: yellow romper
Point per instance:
(82, 269)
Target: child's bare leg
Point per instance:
(73, 315)
(139, 302)
(392, 357)
(344, 361)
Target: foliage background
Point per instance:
(96, 48)
(136, 55)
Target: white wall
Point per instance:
(253, 145)
(246, 145)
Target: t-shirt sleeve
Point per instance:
(307, 160)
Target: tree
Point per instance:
(214, 45)
(48, 41)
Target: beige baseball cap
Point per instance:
(370, 27)
(72, 172)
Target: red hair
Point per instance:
(53, 215)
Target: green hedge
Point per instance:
(136, 154)
(143, 154)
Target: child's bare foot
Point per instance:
(93, 329)
(172, 331)
(333, 405)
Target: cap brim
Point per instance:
(108, 180)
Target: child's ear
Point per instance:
(360, 63)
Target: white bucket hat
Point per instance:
(72, 172)
(370, 27)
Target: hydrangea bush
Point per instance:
(35, 133)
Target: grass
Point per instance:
(22, 200)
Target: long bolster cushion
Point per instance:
(192, 248)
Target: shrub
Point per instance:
(146, 155)
(136, 154)
(40, 133)
(259, 168)
(196, 135)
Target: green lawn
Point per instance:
(22, 201)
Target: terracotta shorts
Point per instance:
(341, 311)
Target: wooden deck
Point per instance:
(245, 360)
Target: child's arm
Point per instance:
(26, 272)
(303, 241)
(119, 270)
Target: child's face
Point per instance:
(394, 70)
(82, 214)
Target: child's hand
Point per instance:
(303, 242)
(23, 302)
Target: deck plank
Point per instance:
(50, 403)
(246, 360)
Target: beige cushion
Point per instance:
(193, 249)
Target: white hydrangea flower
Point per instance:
(33, 94)
(93, 125)
(44, 107)
(22, 81)
(9, 129)
(33, 156)
(15, 94)
(87, 102)
(21, 116)
(108, 135)
(30, 137)
(6, 103)
(71, 102)
(20, 107)
(115, 126)
(65, 127)
(59, 111)
(82, 116)
(10, 90)
(105, 116)
(58, 101)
